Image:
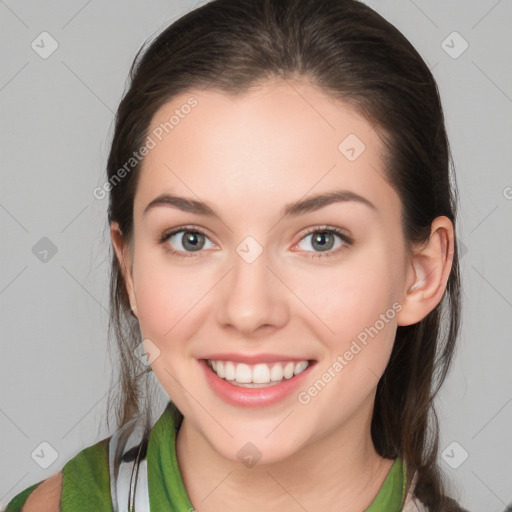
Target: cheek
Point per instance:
(357, 306)
(168, 297)
(349, 296)
(171, 301)
(355, 303)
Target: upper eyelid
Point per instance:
(175, 231)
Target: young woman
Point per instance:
(282, 217)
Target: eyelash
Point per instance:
(318, 229)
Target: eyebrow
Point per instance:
(294, 209)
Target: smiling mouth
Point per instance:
(259, 375)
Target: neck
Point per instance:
(340, 468)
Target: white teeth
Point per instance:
(276, 373)
(300, 367)
(260, 373)
(288, 370)
(243, 373)
(230, 370)
(220, 369)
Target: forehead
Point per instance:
(278, 143)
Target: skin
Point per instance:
(247, 157)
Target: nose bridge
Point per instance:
(251, 295)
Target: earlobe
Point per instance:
(431, 264)
(123, 255)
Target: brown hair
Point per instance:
(351, 53)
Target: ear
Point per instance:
(428, 273)
(124, 253)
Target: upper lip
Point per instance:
(253, 358)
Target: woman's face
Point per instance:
(266, 282)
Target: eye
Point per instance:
(186, 239)
(323, 239)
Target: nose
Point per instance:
(252, 299)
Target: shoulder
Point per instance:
(46, 496)
(42, 496)
(84, 478)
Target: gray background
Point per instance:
(56, 123)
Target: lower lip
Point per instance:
(253, 397)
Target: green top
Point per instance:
(86, 481)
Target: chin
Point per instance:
(258, 448)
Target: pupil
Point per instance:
(320, 237)
(191, 238)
